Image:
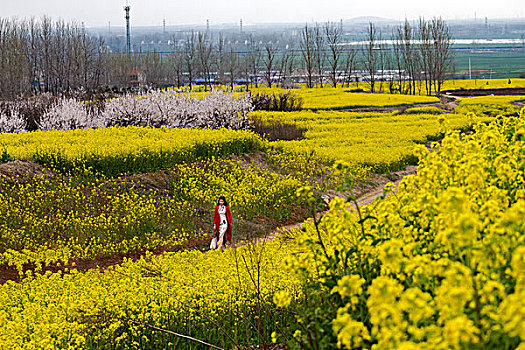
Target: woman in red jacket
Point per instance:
(222, 221)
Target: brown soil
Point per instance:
(366, 193)
(447, 105)
(485, 92)
(22, 170)
(9, 273)
(158, 181)
(268, 347)
(254, 158)
(254, 229)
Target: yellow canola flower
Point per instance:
(350, 333)
(349, 285)
(115, 150)
(359, 141)
(282, 298)
(338, 98)
(442, 260)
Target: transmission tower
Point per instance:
(128, 36)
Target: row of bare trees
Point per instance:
(416, 57)
(46, 56)
(42, 55)
(425, 53)
(210, 61)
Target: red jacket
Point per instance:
(217, 222)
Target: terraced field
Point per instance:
(435, 262)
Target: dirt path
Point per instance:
(486, 92)
(370, 196)
(365, 197)
(366, 193)
(447, 106)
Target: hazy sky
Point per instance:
(151, 12)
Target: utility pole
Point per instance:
(164, 26)
(469, 69)
(128, 35)
(241, 25)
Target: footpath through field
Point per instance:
(366, 195)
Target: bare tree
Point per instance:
(100, 63)
(270, 51)
(388, 67)
(45, 56)
(204, 52)
(443, 55)
(190, 53)
(231, 63)
(370, 56)
(252, 61)
(319, 50)
(39, 55)
(85, 59)
(334, 34)
(397, 47)
(14, 66)
(176, 62)
(220, 59)
(382, 60)
(154, 68)
(408, 57)
(427, 56)
(245, 69)
(286, 64)
(46, 37)
(350, 66)
(34, 54)
(307, 45)
(121, 66)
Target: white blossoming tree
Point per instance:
(155, 109)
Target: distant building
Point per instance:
(137, 78)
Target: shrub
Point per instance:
(12, 121)
(155, 109)
(283, 102)
(274, 130)
(25, 114)
(216, 110)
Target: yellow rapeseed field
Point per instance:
(120, 150)
(329, 98)
(377, 142)
(250, 189)
(438, 264)
(46, 220)
(483, 83)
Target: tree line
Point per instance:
(42, 55)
